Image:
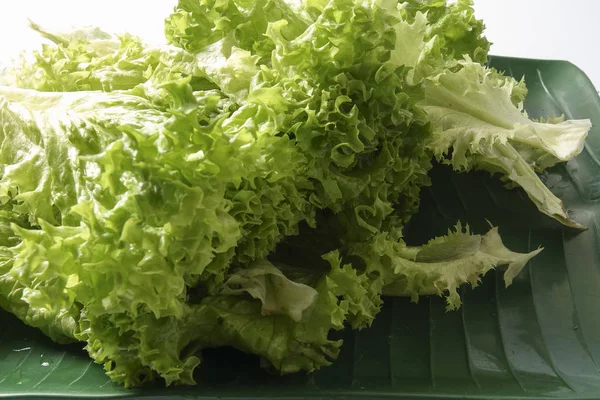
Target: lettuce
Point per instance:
(248, 184)
(474, 112)
(477, 112)
(278, 294)
(443, 264)
(85, 59)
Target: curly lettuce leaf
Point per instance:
(474, 112)
(359, 299)
(441, 265)
(85, 59)
(431, 35)
(288, 346)
(454, 24)
(195, 25)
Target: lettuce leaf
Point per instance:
(194, 26)
(85, 59)
(287, 345)
(440, 266)
(278, 295)
(473, 109)
(478, 112)
(452, 23)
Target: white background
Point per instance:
(550, 29)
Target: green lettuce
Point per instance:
(248, 184)
(477, 111)
(443, 264)
(85, 59)
(474, 111)
(278, 294)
